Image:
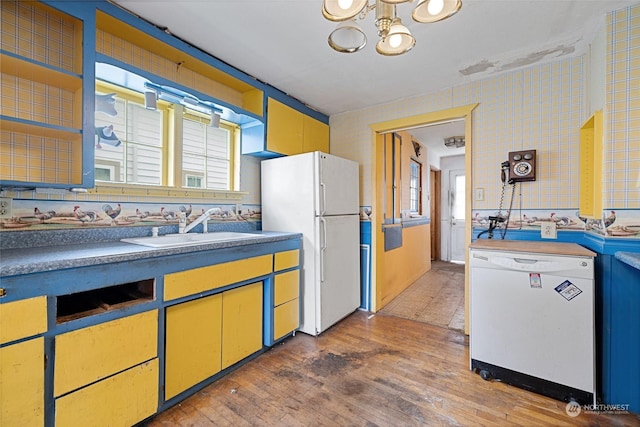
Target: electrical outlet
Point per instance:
(5, 208)
(548, 230)
(238, 208)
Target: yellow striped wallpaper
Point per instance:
(622, 126)
(541, 107)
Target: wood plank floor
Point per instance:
(371, 371)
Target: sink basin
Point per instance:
(189, 239)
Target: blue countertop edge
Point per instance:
(629, 258)
(20, 261)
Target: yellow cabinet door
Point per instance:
(24, 318)
(286, 318)
(118, 401)
(192, 354)
(316, 135)
(22, 384)
(284, 128)
(241, 323)
(93, 353)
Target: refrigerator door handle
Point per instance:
(323, 201)
(323, 246)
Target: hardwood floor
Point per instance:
(437, 297)
(371, 370)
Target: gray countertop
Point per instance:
(630, 258)
(17, 261)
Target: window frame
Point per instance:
(415, 193)
(173, 179)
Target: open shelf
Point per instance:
(42, 34)
(41, 105)
(122, 42)
(39, 72)
(89, 303)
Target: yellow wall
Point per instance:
(403, 266)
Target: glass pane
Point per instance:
(415, 187)
(207, 153)
(193, 137)
(109, 143)
(144, 165)
(459, 198)
(144, 126)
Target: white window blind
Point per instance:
(206, 152)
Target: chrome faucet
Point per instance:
(202, 219)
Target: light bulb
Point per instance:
(395, 40)
(345, 4)
(435, 6)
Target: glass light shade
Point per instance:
(150, 100)
(347, 38)
(341, 10)
(398, 41)
(395, 1)
(428, 11)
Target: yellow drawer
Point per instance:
(287, 287)
(24, 318)
(22, 384)
(121, 400)
(90, 354)
(177, 285)
(286, 318)
(286, 259)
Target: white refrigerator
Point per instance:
(317, 194)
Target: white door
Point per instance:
(456, 215)
(339, 289)
(338, 189)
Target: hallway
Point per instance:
(436, 298)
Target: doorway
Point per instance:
(379, 266)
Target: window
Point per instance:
(415, 187)
(170, 146)
(206, 154)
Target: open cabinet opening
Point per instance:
(96, 301)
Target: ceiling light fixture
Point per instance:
(395, 38)
(454, 142)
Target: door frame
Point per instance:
(377, 137)
(435, 207)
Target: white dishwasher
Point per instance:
(532, 316)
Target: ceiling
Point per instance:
(284, 43)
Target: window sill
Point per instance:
(113, 189)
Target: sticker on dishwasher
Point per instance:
(568, 290)
(534, 280)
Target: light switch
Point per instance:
(479, 194)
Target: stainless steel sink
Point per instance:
(189, 239)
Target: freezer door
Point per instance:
(338, 185)
(339, 269)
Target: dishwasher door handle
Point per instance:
(533, 265)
